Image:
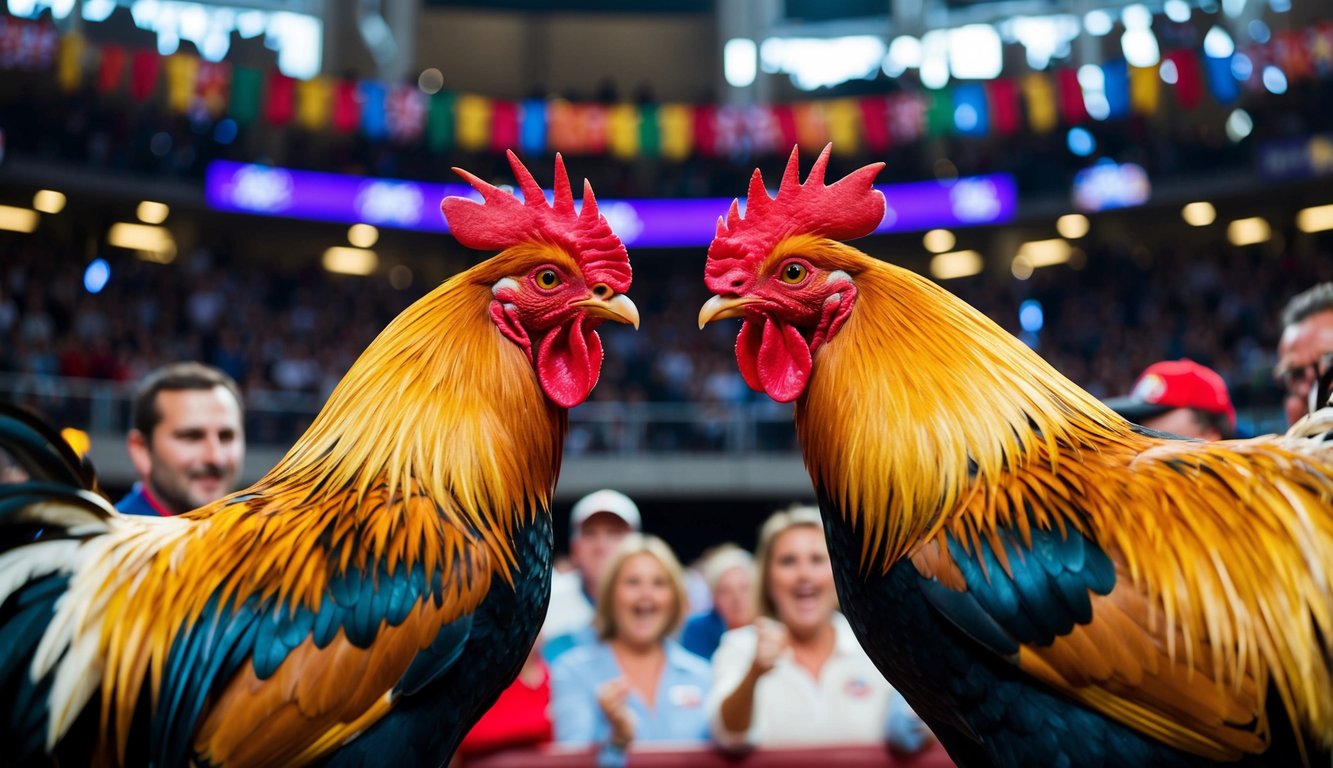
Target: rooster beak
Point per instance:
(618, 308)
(722, 307)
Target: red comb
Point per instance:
(846, 209)
(502, 221)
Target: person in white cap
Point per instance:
(597, 524)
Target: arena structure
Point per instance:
(256, 185)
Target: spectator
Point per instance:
(1306, 348)
(187, 443)
(1180, 397)
(634, 684)
(597, 523)
(798, 676)
(729, 573)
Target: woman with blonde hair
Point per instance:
(797, 676)
(635, 684)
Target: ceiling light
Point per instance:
(1199, 214)
(48, 201)
(946, 266)
(1317, 219)
(1248, 231)
(350, 261)
(18, 219)
(1072, 226)
(150, 212)
(1044, 253)
(938, 240)
(362, 235)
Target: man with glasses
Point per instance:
(1306, 349)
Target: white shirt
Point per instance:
(570, 610)
(850, 703)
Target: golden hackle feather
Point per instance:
(435, 446)
(923, 417)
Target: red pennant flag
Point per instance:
(504, 126)
(1189, 79)
(594, 127)
(280, 105)
(705, 130)
(346, 107)
(1002, 96)
(875, 123)
(785, 117)
(1291, 50)
(1071, 96)
(111, 68)
(214, 84)
(144, 70)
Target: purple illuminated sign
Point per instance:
(641, 222)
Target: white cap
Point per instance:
(605, 500)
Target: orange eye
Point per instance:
(547, 278)
(793, 273)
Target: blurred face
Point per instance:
(1181, 421)
(732, 597)
(1299, 350)
(195, 453)
(643, 601)
(800, 579)
(591, 549)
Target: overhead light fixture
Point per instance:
(1199, 214)
(362, 235)
(1072, 226)
(1021, 267)
(151, 242)
(150, 212)
(947, 266)
(17, 219)
(1316, 219)
(1045, 253)
(938, 240)
(1249, 231)
(48, 201)
(350, 261)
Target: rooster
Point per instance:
(1046, 583)
(370, 596)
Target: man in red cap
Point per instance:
(1182, 398)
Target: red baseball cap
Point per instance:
(1173, 384)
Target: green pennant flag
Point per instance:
(440, 122)
(650, 144)
(939, 112)
(246, 83)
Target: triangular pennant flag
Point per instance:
(111, 68)
(246, 83)
(314, 99)
(622, 131)
(844, 121)
(811, 125)
(441, 121)
(705, 130)
(1189, 82)
(592, 118)
(1144, 85)
(474, 121)
(504, 126)
(650, 143)
(182, 73)
(346, 106)
(144, 69)
(939, 112)
(532, 126)
(1040, 98)
(1072, 107)
(279, 104)
(1221, 80)
(1115, 77)
(69, 66)
(785, 117)
(1002, 99)
(374, 124)
(676, 127)
(875, 123)
(970, 114)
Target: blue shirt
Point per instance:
(703, 632)
(139, 502)
(678, 714)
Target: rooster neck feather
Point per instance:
(926, 423)
(459, 413)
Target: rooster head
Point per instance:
(781, 268)
(562, 272)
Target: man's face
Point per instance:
(591, 547)
(195, 453)
(1299, 349)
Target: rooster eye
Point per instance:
(793, 273)
(547, 278)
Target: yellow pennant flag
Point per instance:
(474, 121)
(314, 101)
(676, 124)
(1040, 98)
(69, 65)
(1144, 90)
(622, 131)
(812, 125)
(182, 74)
(844, 124)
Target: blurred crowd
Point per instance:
(288, 338)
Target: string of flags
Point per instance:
(1038, 101)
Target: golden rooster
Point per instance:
(367, 598)
(1046, 583)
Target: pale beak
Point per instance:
(722, 307)
(618, 308)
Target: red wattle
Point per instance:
(569, 363)
(773, 358)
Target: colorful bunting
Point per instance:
(144, 69)
(1221, 80)
(504, 126)
(1040, 98)
(69, 64)
(705, 130)
(346, 111)
(474, 121)
(111, 68)
(1144, 84)
(844, 124)
(939, 112)
(182, 74)
(374, 125)
(440, 121)
(212, 86)
(1189, 82)
(875, 122)
(1002, 99)
(1072, 107)
(279, 106)
(907, 117)
(676, 127)
(1115, 78)
(1291, 52)
(532, 126)
(650, 144)
(406, 113)
(970, 114)
(314, 98)
(246, 82)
